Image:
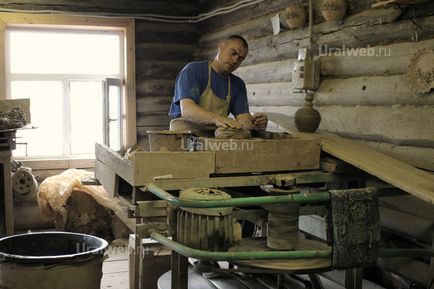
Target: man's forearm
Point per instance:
(191, 111)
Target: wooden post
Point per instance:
(6, 197)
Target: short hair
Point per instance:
(239, 37)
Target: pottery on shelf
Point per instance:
(295, 15)
(333, 10)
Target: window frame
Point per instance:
(126, 25)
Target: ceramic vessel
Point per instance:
(296, 16)
(307, 119)
(333, 10)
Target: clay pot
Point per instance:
(307, 119)
(333, 10)
(296, 16)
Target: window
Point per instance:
(63, 73)
(80, 81)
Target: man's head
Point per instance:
(231, 53)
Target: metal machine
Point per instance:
(196, 202)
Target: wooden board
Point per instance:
(390, 170)
(177, 165)
(114, 162)
(399, 174)
(264, 155)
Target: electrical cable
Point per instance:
(149, 17)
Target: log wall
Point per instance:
(365, 97)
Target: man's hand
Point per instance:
(225, 122)
(260, 121)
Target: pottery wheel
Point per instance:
(420, 72)
(292, 266)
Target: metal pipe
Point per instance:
(237, 202)
(233, 256)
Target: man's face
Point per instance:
(230, 55)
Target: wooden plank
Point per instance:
(107, 178)
(114, 162)
(394, 172)
(129, 118)
(149, 165)
(399, 174)
(6, 196)
(420, 157)
(153, 105)
(261, 155)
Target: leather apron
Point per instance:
(209, 102)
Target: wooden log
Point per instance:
(225, 20)
(400, 125)
(153, 105)
(154, 87)
(164, 52)
(365, 28)
(286, 110)
(158, 69)
(152, 120)
(381, 60)
(275, 71)
(370, 91)
(273, 94)
(386, 60)
(138, 6)
(166, 32)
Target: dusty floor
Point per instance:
(115, 269)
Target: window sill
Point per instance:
(58, 163)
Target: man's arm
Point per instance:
(193, 112)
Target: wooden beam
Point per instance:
(394, 172)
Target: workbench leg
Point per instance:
(353, 278)
(179, 271)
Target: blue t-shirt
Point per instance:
(191, 83)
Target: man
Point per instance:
(207, 91)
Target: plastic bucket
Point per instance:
(47, 260)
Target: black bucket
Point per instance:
(60, 260)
